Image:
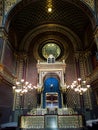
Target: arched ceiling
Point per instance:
(30, 14)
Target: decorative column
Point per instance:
(88, 67)
(78, 75)
(96, 41)
(88, 62)
(82, 65)
(96, 10)
(21, 59)
(84, 73)
(1, 11)
(21, 64)
(83, 69)
(4, 38)
(77, 64)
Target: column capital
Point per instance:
(77, 54)
(21, 56)
(3, 33)
(87, 54)
(81, 54)
(96, 31)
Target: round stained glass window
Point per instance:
(51, 48)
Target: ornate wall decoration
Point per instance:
(8, 5)
(51, 48)
(90, 3)
(1, 11)
(1, 46)
(96, 4)
(9, 64)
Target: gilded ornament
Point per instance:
(90, 3)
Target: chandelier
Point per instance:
(79, 86)
(23, 86)
(49, 6)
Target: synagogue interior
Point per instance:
(49, 64)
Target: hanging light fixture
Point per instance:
(79, 86)
(49, 6)
(22, 86)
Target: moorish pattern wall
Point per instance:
(15, 64)
(6, 5)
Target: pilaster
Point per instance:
(1, 11)
(4, 37)
(83, 70)
(96, 37)
(96, 10)
(77, 64)
(4, 72)
(21, 59)
(82, 63)
(21, 63)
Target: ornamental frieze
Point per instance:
(9, 4)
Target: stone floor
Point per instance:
(85, 128)
(13, 128)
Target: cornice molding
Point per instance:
(6, 75)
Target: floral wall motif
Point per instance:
(90, 3)
(9, 4)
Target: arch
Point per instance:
(13, 11)
(20, 5)
(50, 27)
(86, 9)
(48, 75)
(51, 81)
(51, 85)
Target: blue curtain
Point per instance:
(51, 84)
